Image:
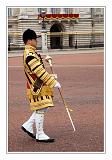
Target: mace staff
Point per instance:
(49, 60)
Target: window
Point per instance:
(9, 12)
(97, 11)
(102, 11)
(55, 10)
(10, 40)
(41, 9)
(9, 26)
(68, 10)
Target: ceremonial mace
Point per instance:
(49, 60)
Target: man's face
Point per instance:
(32, 42)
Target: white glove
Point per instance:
(54, 75)
(49, 60)
(57, 85)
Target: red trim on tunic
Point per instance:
(34, 77)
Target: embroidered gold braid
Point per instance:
(35, 66)
(41, 73)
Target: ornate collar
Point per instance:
(30, 47)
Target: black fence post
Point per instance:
(90, 45)
(76, 46)
(9, 41)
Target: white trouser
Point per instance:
(28, 125)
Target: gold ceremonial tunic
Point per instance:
(34, 69)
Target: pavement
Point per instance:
(15, 53)
(82, 80)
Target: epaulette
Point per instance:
(30, 53)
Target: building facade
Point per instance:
(64, 27)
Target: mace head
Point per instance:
(48, 58)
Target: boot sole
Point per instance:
(46, 141)
(30, 134)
